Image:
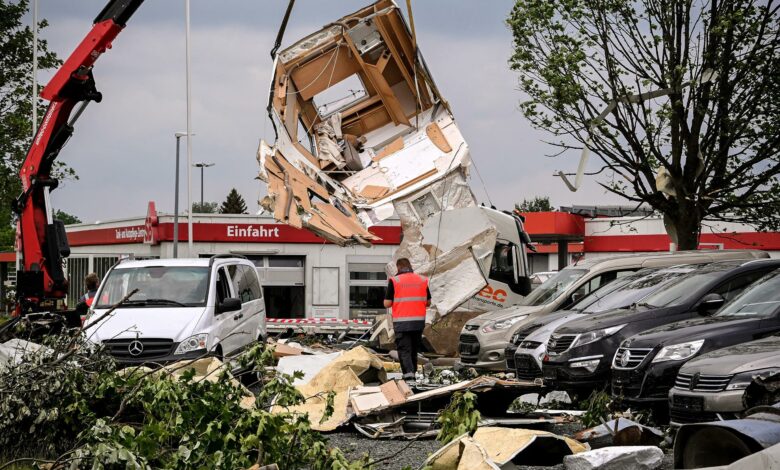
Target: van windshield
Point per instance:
(174, 286)
(550, 289)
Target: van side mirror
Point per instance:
(710, 303)
(231, 304)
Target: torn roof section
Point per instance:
(360, 124)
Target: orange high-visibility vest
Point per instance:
(410, 297)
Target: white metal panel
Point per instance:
(326, 286)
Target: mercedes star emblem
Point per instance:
(135, 348)
(625, 358)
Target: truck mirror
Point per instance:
(522, 286)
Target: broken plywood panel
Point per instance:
(498, 447)
(290, 193)
(365, 400)
(348, 370)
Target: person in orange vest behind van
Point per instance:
(408, 296)
(91, 282)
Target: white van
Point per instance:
(184, 309)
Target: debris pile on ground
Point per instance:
(622, 432)
(616, 458)
(496, 447)
(330, 387)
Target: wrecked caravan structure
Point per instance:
(362, 133)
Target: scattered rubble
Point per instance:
(621, 432)
(498, 447)
(346, 371)
(724, 442)
(767, 459)
(616, 458)
(13, 351)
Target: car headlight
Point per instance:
(502, 324)
(590, 365)
(595, 335)
(679, 352)
(193, 343)
(742, 380)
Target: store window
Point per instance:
(367, 283)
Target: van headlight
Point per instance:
(502, 324)
(193, 343)
(595, 335)
(679, 352)
(742, 380)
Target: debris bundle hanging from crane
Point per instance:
(362, 133)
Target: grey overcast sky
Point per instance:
(123, 148)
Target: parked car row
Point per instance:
(653, 336)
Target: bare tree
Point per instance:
(693, 129)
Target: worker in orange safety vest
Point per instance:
(408, 296)
(91, 282)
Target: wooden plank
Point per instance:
(415, 180)
(389, 149)
(323, 72)
(388, 97)
(437, 137)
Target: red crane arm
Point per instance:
(40, 238)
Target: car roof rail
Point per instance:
(225, 256)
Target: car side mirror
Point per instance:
(231, 304)
(576, 297)
(710, 303)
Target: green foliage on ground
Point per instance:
(460, 417)
(73, 406)
(597, 408)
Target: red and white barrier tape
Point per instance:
(317, 321)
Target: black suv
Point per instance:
(580, 353)
(645, 366)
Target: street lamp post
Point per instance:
(202, 165)
(178, 136)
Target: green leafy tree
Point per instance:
(537, 204)
(16, 126)
(66, 218)
(233, 204)
(694, 126)
(204, 208)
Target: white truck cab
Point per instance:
(183, 309)
(508, 276)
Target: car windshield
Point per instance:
(685, 289)
(761, 298)
(174, 286)
(550, 289)
(629, 290)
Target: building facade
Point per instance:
(305, 277)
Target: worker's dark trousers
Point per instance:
(408, 343)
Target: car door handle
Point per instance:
(238, 317)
